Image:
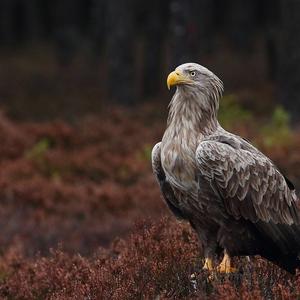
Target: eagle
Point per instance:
(234, 197)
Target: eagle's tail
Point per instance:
(289, 262)
(282, 245)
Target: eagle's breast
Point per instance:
(178, 161)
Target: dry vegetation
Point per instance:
(82, 218)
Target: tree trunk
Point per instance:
(270, 16)
(120, 51)
(179, 32)
(33, 26)
(7, 33)
(155, 24)
(289, 73)
(97, 25)
(66, 29)
(241, 20)
(202, 27)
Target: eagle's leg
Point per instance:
(208, 244)
(208, 264)
(225, 265)
(209, 255)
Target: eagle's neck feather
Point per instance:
(191, 117)
(192, 113)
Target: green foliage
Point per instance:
(37, 152)
(231, 112)
(278, 131)
(145, 153)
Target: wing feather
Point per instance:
(247, 181)
(165, 187)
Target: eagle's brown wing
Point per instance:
(249, 184)
(165, 187)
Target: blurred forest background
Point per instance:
(83, 99)
(65, 57)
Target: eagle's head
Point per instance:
(194, 78)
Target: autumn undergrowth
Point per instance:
(82, 217)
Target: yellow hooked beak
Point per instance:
(176, 77)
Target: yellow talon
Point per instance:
(208, 264)
(225, 265)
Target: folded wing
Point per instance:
(249, 184)
(165, 187)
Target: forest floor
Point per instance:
(82, 217)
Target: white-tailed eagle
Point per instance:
(235, 198)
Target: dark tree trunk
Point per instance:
(97, 25)
(66, 29)
(290, 58)
(179, 32)
(202, 27)
(120, 51)
(241, 20)
(270, 16)
(33, 26)
(155, 24)
(191, 30)
(7, 33)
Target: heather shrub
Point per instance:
(154, 261)
(82, 217)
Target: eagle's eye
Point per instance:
(192, 73)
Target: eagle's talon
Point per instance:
(208, 264)
(226, 269)
(225, 265)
